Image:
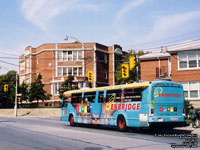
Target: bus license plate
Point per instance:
(174, 118)
(160, 119)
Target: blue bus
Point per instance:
(131, 105)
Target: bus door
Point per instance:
(95, 109)
(167, 103)
(64, 115)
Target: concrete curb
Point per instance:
(31, 112)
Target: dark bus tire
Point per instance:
(71, 120)
(121, 123)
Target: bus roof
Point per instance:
(133, 85)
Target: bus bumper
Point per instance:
(168, 124)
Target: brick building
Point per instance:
(56, 61)
(178, 63)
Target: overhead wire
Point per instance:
(183, 37)
(25, 27)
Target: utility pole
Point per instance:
(15, 107)
(137, 60)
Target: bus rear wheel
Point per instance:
(71, 120)
(121, 123)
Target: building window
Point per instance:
(80, 55)
(64, 71)
(183, 60)
(22, 65)
(69, 71)
(189, 60)
(75, 56)
(27, 65)
(69, 55)
(192, 60)
(186, 94)
(59, 72)
(37, 60)
(80, 74)
(75, 72)
(64, 55)
(191, 90)
(59, 55)
(57, 87)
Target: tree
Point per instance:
(7, 98)
(66, 86)
(37, 92)
(23, 89)
(132, 73)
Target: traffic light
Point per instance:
(6, 88)
(90, 76)
(132, 62)
(125, 71)
(19, 99)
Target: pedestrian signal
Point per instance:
(90, 76)
(125, 71)
(132, 62)
(6, 88)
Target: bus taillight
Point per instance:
(152, 112)
(183, 112)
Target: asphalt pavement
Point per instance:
(49, 133)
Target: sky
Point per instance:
(133, 24)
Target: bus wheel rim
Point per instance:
(72, 120)
(121, 124)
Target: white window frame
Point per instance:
(56, 88)
(189, 90)
(61, 57)
(187, 53)
(61, 72)
(78, 59)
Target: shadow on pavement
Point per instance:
(138, 130)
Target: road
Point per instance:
(40, 133)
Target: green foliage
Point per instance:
(67, 85)
(31, 92)
(7, 98)
(36, 91)
(23, 89)
(187, 106)
(132, 73)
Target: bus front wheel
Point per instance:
(71, 120)
(121, 123)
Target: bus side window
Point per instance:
(100, 99)
(65, 103)
(89, 97)
(113, 95)
(133, 94)
(76, 98)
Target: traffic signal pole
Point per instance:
(15, 107)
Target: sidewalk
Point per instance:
(189, 128)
